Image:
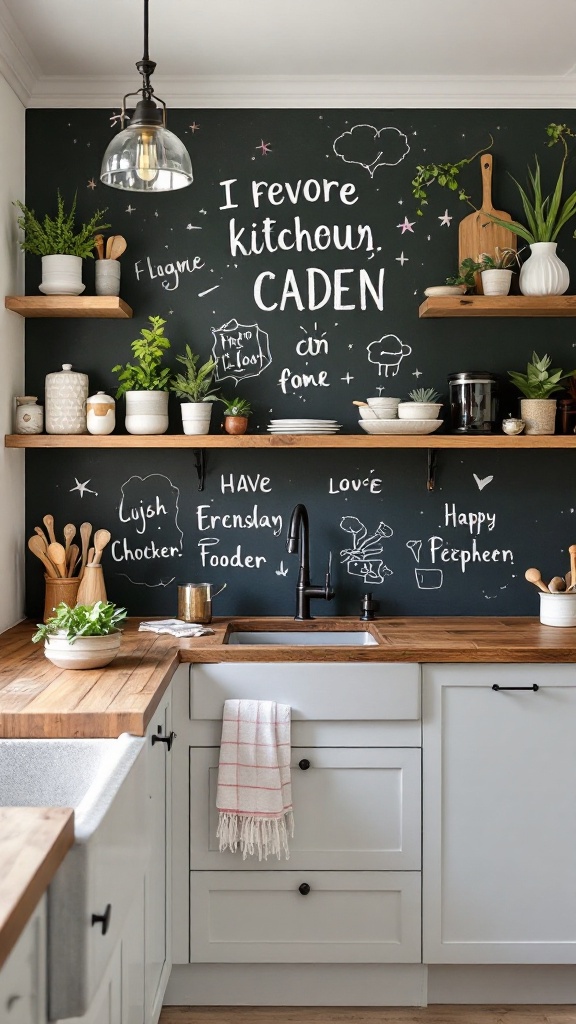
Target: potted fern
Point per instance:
(146, 383)
(236, 413)
(195, 386)
(62, 244)
(537, 408)
(423, 405)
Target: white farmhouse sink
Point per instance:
(304, 638)
(104, 781)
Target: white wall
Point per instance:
(11, 360)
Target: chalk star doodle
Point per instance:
(264, 147)
(347, 378)
(240, 351)
(387, 353)
(402, 259)
(194, 127)
(359, 559)
(82, 488)
(130, 209)
(407, 225)
(417, 373)
(445, 219)
(281, 571)
(91, 184)
(372, 147)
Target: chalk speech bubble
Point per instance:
(372, 147)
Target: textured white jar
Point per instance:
(29, 417)
(146, 412)
(62, 275)
(544, 273)
(100, 414)
(107, 277)
(66, 394)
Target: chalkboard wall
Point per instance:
(297, 259)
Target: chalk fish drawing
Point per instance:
(429, 579)
(240, 351)
(415, 547)
(387, 353)
(372, 147)
(359, 559)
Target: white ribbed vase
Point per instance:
(544, 273)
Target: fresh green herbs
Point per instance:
(149, 350)
(97, 619)
(59, 235)
(195, 385)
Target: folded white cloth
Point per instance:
(175, 627)
(254, 795)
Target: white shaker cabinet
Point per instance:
(23, 975)
(499, 814)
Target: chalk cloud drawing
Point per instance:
(240, 351)
(415, 547)
(360, 559)
(387, 353)
(372, 147)
(429, 579)
(482, 482)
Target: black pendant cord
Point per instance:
(145, 55)
(146, 66)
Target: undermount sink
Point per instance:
(304, 638)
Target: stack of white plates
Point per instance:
(302, 426)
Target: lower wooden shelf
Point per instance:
(285, 441)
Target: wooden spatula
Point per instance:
(477, 233)
(38, 548)
(85, 533)
(115, 246)
(49, 524)
(73, 556)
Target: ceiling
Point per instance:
(237, 52)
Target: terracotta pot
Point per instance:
(235, 424)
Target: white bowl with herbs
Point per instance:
(83, 637)
(423, 405)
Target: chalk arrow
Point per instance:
(484, 482)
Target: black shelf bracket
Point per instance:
(200, 463)
(431, 472)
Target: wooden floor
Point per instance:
(350, 1015)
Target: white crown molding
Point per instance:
(405, 91)
(17, 62)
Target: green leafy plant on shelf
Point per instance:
(466, 271)
(503, 259)
(59, 235)
(236, 406)
(539, 381)
(195, 384)
(148, 349)
(446, 174)
(97, 619)
(423, 395)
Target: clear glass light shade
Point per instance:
(146, 158)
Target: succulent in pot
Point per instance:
(61, 243)
(236, 413)
(196, 386)
(146, 383)
(423, 405)
(538, 384)
(83, 637)
(496, 270)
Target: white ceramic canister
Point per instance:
(558, 609)
(107, 277)
(29, 417)
(100, 414)
(66, 394)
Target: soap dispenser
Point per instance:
(367, 608)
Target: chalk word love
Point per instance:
(169, 272)
(372, 484)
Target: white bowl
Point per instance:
(85, 652)
(400, 426)
(558, 609)
(367, 414)
(382, 401)
(419, 410)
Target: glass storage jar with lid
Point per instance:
(473, 402)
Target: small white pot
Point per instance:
(146, 412)
(558, 609)
(539, 415)
(419, 410)
(496, 282)
(544, 273)
(107, 277)
(85, 652)
(62, 275)
(196, 417)
(100, 414)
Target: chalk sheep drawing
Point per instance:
(372, 147)
(360, 559)
(240, 351)
(387, 353)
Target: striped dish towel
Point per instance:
(254, 795)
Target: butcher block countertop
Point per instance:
(39, 700)
(33, 844)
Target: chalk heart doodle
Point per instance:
(240, 350)
(372, 147)
(387, 353)
(148, 544)
(360, 559)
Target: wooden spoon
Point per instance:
(69, 534)
(101, 539)
(49, 524)
(568, 578)
(356, 402)
(115, 247)
(557, 585)
(37, 548)
(73, 555)
(572, 553)
(90, 556)
(57, 555)
(99, 246)
(85, 533)
(535, 576)
(42, 536)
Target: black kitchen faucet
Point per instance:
(298, 539)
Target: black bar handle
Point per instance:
(168, 740)
(304, 888)
(103, 919)
(304, 764)
(534, 687)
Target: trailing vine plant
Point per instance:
(446, 175)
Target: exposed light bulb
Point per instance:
(147, 156)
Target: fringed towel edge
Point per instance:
(252, 833)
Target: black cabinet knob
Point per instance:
(168, 740)
(304, 764)
(103, 919)
(304, 888)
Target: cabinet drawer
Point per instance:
(347, 917)
(353, 809)
(335, 692)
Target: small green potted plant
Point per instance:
(537, 408)
(195, 385)
(145, 383)
(465, 279)
(496, 270)
(423, 405)
(87, 636)
(236, 413)
(62, 244)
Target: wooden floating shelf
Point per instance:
(88, 306)
(498, 305)
(284, 441)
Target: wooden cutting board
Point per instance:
(476, 232)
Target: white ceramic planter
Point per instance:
(196, 417)
(146, 412)
(419, 410)
(62, 275)
(539, 415)
(544, 273)
(496, 282)
(107, 277)
(85, 652)
(558, 609)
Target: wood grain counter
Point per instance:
(39, 700)
(33, 844)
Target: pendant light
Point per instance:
(145, 156)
